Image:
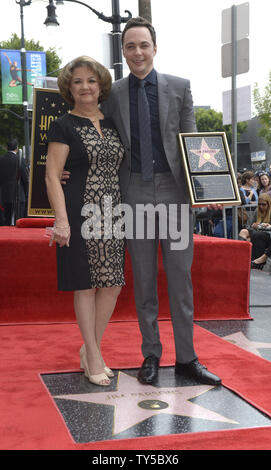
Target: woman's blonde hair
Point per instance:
(264, 216)
(65, 76)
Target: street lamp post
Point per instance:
(115, 20)
(22, 4)
(116, 38)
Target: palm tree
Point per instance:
(144, 9)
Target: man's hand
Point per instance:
(65, 176)
(215, 207)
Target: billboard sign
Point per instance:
(12, 74)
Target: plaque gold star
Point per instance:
(206, 154)
(243, 342)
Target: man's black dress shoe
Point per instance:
(197, 371)
(149, 370)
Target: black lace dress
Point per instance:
(95, 257)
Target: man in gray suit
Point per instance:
(171, 111)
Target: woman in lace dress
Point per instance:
(90, 258)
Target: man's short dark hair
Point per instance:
(12, 144)
(139, 22)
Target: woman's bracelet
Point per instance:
(66, 226)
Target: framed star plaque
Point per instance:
(209, 170)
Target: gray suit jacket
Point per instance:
(176, 115)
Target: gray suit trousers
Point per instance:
(161, 193)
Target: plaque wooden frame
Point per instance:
(209, 169)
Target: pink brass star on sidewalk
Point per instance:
(243, 342)
(134, 402)
(206, 154)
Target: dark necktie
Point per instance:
(145, 139)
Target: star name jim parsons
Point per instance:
(115, 396)
(139, 458)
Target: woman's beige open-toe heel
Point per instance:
(107, 370)
(97, 379)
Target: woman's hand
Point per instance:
(61, 235)
(64, 176)
(254, 225)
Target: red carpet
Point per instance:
(29, 419)
(28, 286)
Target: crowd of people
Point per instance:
(254, 216)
